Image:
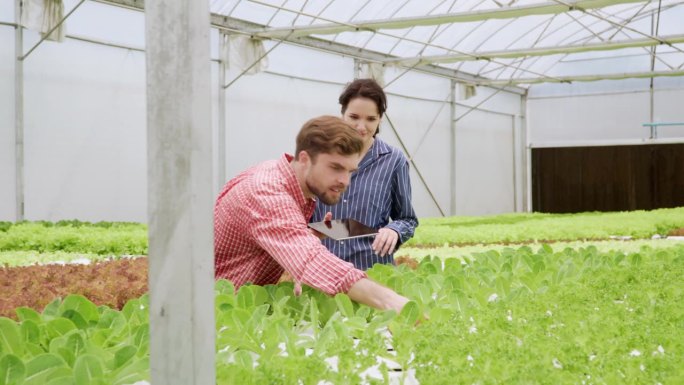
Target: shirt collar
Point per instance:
(380, 147)
(376, 149)
(291, 182)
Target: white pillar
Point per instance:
(527, 159)
(180, 194)
(452, 146)
(515, 163)
(223, 57)
(18, 113)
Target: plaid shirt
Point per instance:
(260, 228)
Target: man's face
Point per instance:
(329, 174)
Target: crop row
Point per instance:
(107, 238)
(544, 228)
(515, 316)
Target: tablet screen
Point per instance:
(340, 229)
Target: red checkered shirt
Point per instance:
(261, 227)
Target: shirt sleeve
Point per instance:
(281, 230)
(404, 220)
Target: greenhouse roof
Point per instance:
(485, 41)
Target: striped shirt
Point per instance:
(261, 227)
(378, 191)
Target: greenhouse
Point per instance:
(543, 143)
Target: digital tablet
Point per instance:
(340, 229)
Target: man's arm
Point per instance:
(281, 231)
(373, 294)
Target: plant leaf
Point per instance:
(88, 369)
(344, 305)
(134, 371)
(409, 313)
(10, 337)
(80, 305)
(30, 332)
(123, 355)
(42, 367)
(58, 327)
(12, 370)
(25, 313)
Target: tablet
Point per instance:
(340, 229)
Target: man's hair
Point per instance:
(327, 135)
(364, 88)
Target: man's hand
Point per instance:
(373, 294)
(285, 277)
(385, 242)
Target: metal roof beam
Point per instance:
(241, 26)
(548, 8)
(539, 51)
(581, 78)
(246, 27)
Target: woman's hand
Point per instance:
(326, 218)
(385, 242)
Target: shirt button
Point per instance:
(344, 201)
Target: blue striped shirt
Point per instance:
(379, 190)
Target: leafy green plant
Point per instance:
(518, 316)
(102, 239)
(538, 227)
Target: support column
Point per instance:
(357, 68)
(452, 146)
(515, 162)
(223, 56)
(651, 94)
(19, 112)
(527, 157)
(180, 193)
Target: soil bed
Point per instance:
(111, 283)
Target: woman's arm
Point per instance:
(404, 220)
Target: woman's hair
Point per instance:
(327, 135)
(364, 88)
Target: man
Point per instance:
(261, 217)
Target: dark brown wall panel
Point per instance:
(607, 178)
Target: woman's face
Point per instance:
(363, 114)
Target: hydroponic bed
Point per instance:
(555, 313)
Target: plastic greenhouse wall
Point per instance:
(85, 138)
(604, 112)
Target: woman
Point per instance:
(379, 191)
